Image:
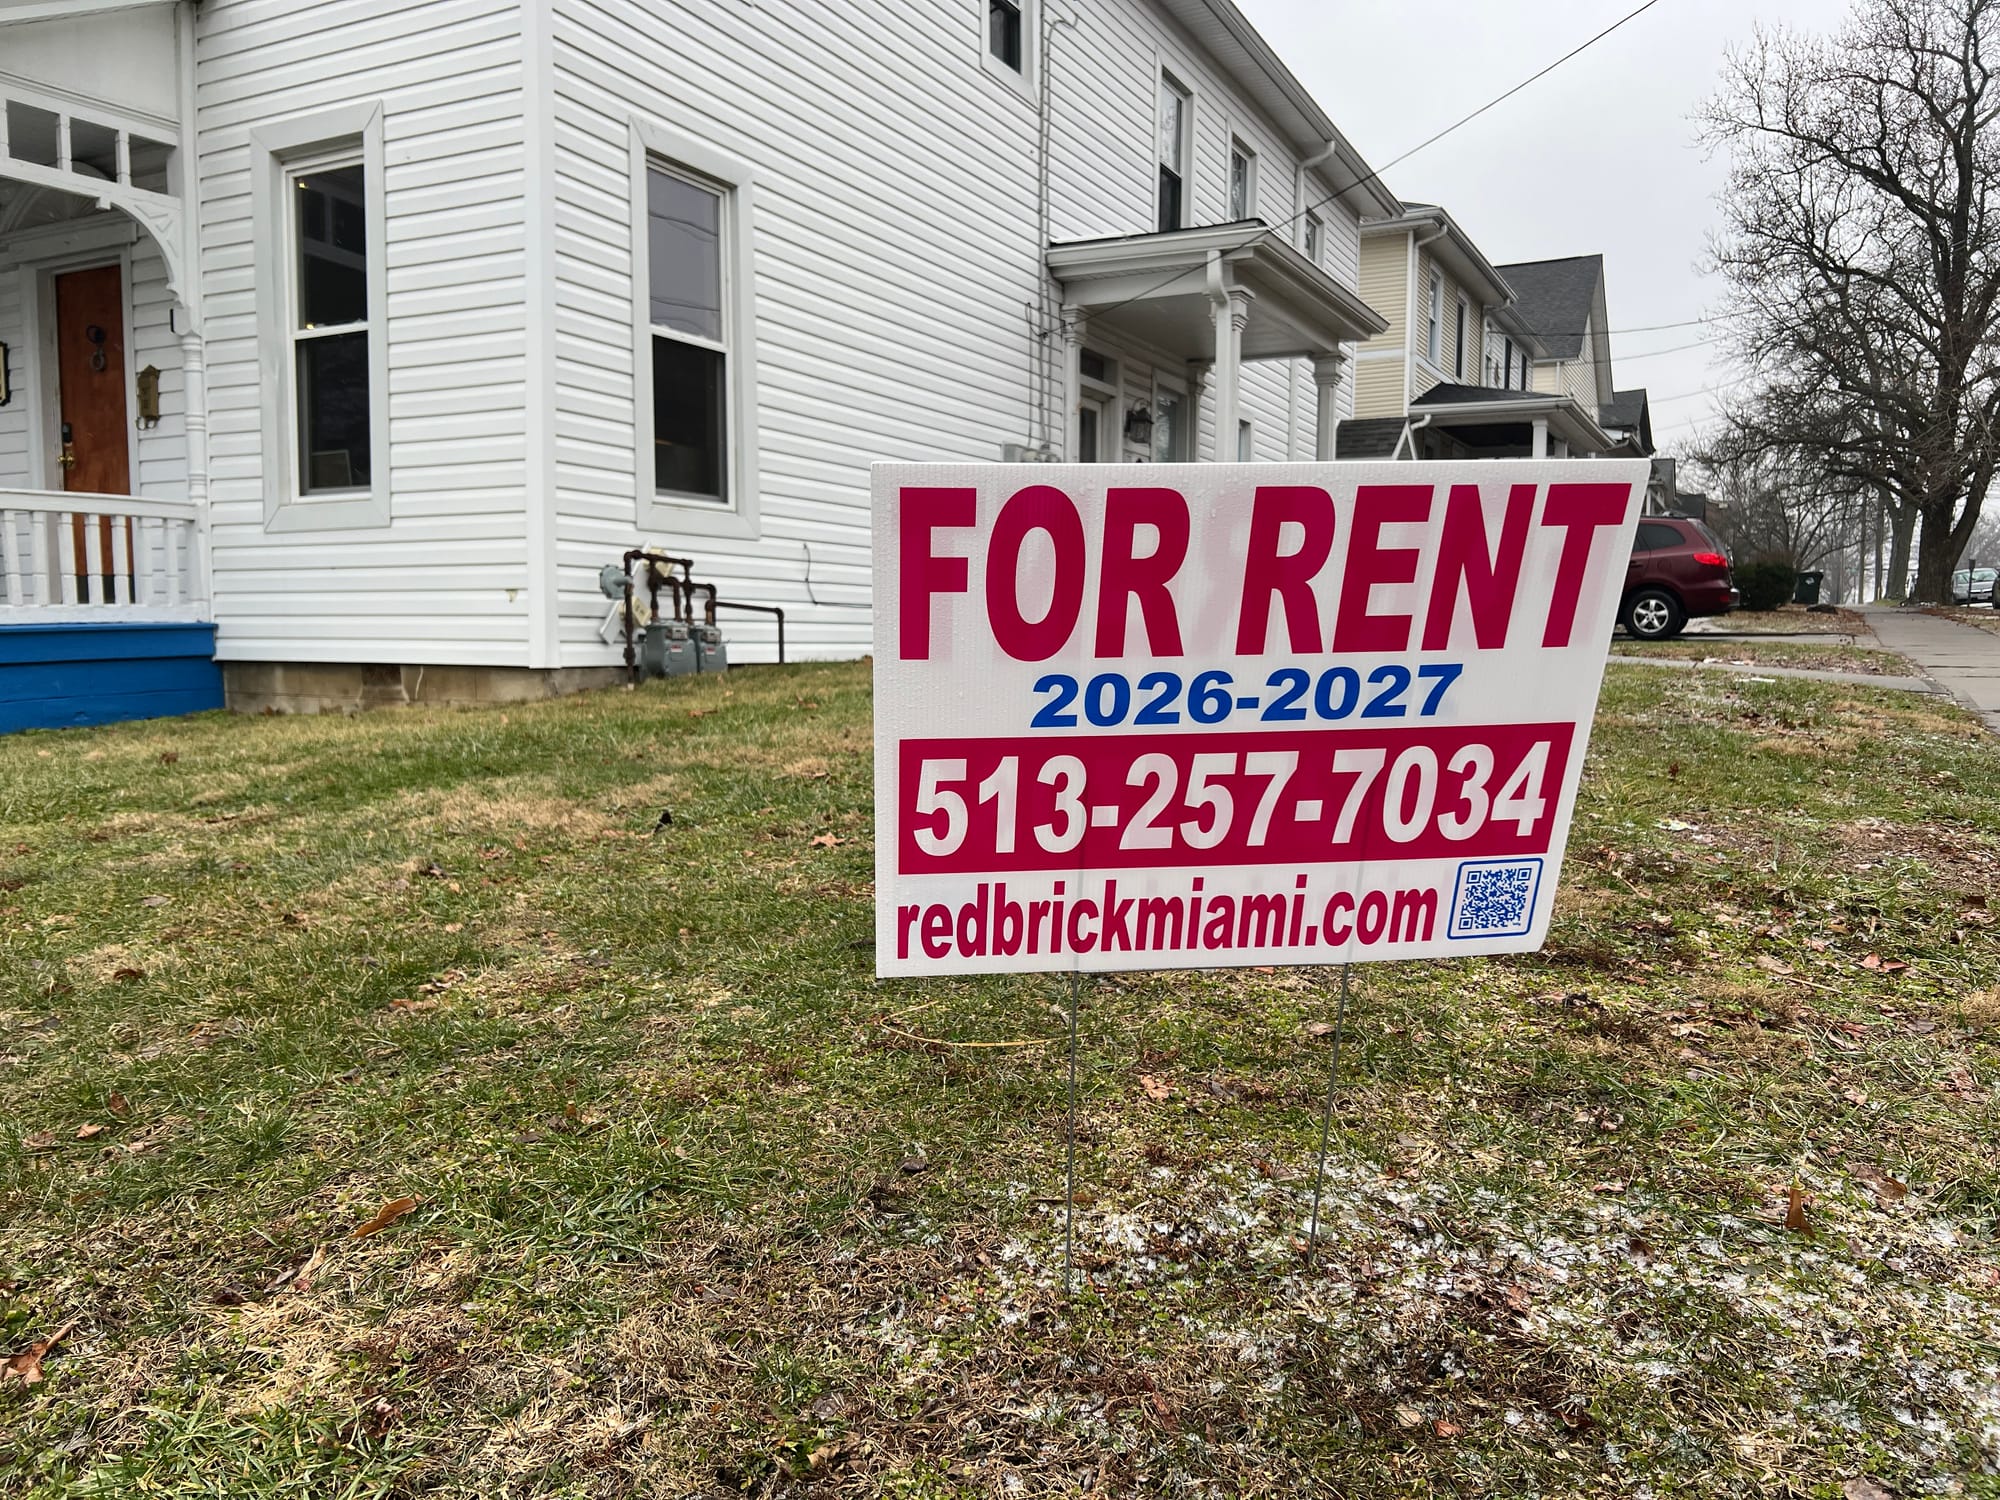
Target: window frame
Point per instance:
(740, 512)
(1313, 239)
(1246, 441)
(1022, 81)
(1434, 318)
(1189, 434)
(1463, 324)
(1169, 85)
(1238, 151)
(351, 135)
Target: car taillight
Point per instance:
(1711, 559)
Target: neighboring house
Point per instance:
(1460, 370)
(366, 332)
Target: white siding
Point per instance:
(446, 581)
(14, 425)
(896, 260)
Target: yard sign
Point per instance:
(1190, 716)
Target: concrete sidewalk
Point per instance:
(1963, 659)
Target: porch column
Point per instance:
(1541, 447)
(1326, 383)
(1232, 314)
(1074, 323)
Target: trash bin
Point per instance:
(1807, 591)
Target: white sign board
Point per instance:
(1196, 715)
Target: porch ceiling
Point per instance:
(1161, 290)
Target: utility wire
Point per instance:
(1375, 175)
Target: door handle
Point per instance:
(68, 457)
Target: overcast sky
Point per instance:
(1600, 156)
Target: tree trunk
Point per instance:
(1902, 523)
(1935, 556)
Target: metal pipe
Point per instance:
(715, 603)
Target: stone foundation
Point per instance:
(256, 687)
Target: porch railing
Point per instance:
(76, 557)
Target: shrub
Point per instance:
(1766, 585)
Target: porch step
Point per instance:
(61, 675)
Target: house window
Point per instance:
(1432, 330)
(1173, 151)
(688, 314)
(1315, 235)
(1242, 181)
(1003, 33)
(330, 326)
(1245, 442)
(1489, 354)
(1458, 341)
(1507, 369)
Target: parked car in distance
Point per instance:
(1679, 571)
(1973, 585)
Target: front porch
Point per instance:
(104, 601)
(1467, 421)
(1211, 300)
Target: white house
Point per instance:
(367, 331)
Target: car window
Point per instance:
(1654, 537)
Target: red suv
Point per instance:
(1678, 571)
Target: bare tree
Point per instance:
(1862, 250)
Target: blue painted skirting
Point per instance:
(56, 676)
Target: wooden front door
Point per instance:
(94, 453)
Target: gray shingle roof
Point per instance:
(1626, 408)
(1368, 437)
(1472, 395)
(1555, 297)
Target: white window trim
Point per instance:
(1025, 82)
(274, 150)
(741, 514)
(1238, 147)
(1313, 245)
(1246, 441)
(1434, 319)
(1190, 416)
(1168, 76)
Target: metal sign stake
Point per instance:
(1326, 1121)
(1069, 1168)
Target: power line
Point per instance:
(1375, 175)
(1677, 349)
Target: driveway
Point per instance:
(1964, 659)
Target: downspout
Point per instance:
(1411, 428)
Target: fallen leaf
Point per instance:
(1772, 965)
(1408, 1415)
(1863, 1488)
(41, 1140)
(1872, 961)
(1795, 1212)
(386, 1215)
(828, 840)
(85, 1132)
(170, 757)
(1155, 1088)
(1451, 1429)
(1614, 1185)
(26, 1366)
(1881, 1184)
(128, 976)
(1319, 1028)
(153, 900)
(118, 1105)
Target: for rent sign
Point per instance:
(1142, 717)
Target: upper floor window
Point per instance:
(1459, 330)
(1507, 370)
(1003, 32)
(1315, 237)
(1433, 329)
(1242, 181)
(1173, 151)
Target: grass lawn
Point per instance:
(1833, 656)
(702, 1208)
(1980, 616)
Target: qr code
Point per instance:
(1495, 899)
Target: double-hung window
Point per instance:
(693, 317)
(318, 259)
(1458, 340)
(1507, 373)
(1433, 330)
(1315, 236)
(330, 326)
(1175, 112)
(1242, 181)
(687, 303)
